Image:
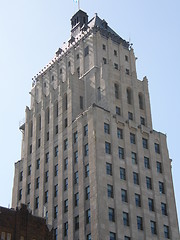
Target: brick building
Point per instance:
(20, 224)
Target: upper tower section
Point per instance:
(79, 20)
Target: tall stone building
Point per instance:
(91, 162)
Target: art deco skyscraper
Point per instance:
(91, 162)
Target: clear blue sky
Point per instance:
(31, 32)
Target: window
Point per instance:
(56, 129)
(76, 199)
(65, 144)
(99, 93)
(159, 167)
(137, 200)
(104, 60)
(153, 227)
(86, 130)
(78, 72)
(47, 116)
(141, 104)
(112, 236)
(89, 237)
(116, 90)
(75, 137)
(86, 150)
(65, 163)
(52, 78)
(118, 111)
(65, 123)
(56, 190)
(132, 138)
(111, 215)
(161, 187)
(81, 102)
(151, 204)
(134, 158)
(21, 176)
(87, 170)
(139, 223)
(76, 157)
(119, 133)
(65, 229)
(28, 188)
(145, 143)
(106, 128)
(46, 197)
(65, 102)
(31, 129)
(56, 151)
(148, 183)
(136, 178)
(39, 143)
(76, 222)
(142, 121)
(47, 157)
(107, 147)
(121, 152)
(163, 209)
(166, 232)
(122, 173)
(129, 96)
(126, 58)
(130, 116)
(115, 53)
(56, 109)
(38, 163)
(65, 184)
(86, 51)
(56, 170)
(87, 192)
(127, 71)
(20, 194)
(109, 169)
(37, 182)
(104, 47)
(30, 149)
(65, 205)
(39, 122)
(116, 66)
(47, 136)
(37, 203)
(77, 56)
(46, 176)
(125, 219)
(110, 191)
(124, 195)
(88, 216)
(76, 178)
(60, 70)
(69, 64)
(55, 234)
(29, 170)
(157, 148)
(55, 211)
(146, 163)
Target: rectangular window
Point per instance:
(37, 182)
(151, 204)
(166, 232)
(99, 93)
(28, 188)
(161, 188)
(81, 102)
(56, 129)
(115, 53)
(29, 170)
(39, 143)
(153, 227)
(30, 149)
(134, 158)
(55, 212)
(135, 178)
(104, 47)
(119, 133)
(137, 200)
(121, 152)
(127, 71)
(146, 163)
(86, 51)
(65, 144)
(65, 123)
(47, 157)
(75, 137)
(159, 167)
(56, 151)
(37, 203)
(106, 128)
(56, 170)
(157, 148)
(163, 209)
(112, 236)
(145, 143)
(127, 238)
(65, 184)
(148, 183)
(77, 56)
(76, 199)
(47, 136)
(126, 58)
(122, 173)
(107, 148)
(20, 194)
(56, 190)
(132, 138)
(86, 130)
(116, 66)
(21, 176)
(87, 193)
(88, 237)
(86, 150)
(88, 216)
(46, 197)
(116, 90)
(78, 72)
(65, 163)
(38, 163)
(76, 157)
(65, 205)
(110, 191)
(87, 170)
(46, 176)
(125, 219)
(118, 111)
(55, 233)
(76, 223)
(142, 121)
(111, 215)
(69, 64)
(76, 178)
(124, 195)
(130, 116)
(109, 169)
(139, 223)
(104, 60)
(65, 229)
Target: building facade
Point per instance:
(91, 162)
(21, 224)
